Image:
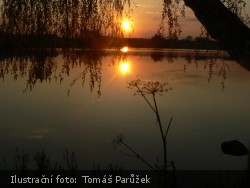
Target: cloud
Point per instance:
(153, 12)
(144, 6)
(138, 5)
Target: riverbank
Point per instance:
(10, 41)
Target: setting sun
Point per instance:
(126, 26)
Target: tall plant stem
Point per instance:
(152, 108)
(164, 140)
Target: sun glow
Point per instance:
(126, 26)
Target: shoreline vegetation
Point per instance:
(22, 42)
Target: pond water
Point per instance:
(80, 101)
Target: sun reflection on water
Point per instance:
(125, 67)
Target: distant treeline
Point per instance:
(187, 43)
(9, 41)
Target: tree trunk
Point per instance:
(223, 25)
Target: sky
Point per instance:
(147, 16)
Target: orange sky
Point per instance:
(147, 16)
